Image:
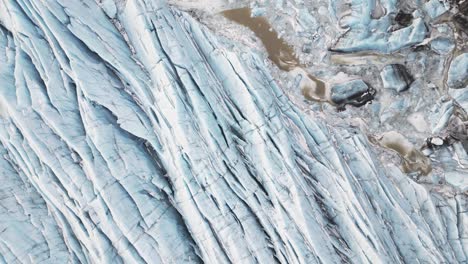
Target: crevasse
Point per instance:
(138, 137)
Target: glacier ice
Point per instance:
(131, 133)
(396, 76)
(458, 72)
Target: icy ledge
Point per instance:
(136, 136)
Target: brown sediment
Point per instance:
(279, 51)
(362, 58)
(413, 159)
(321, 88)
(314, 94)
(314, 89)
(282, 54)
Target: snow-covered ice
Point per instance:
(135, 132)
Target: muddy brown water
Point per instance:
(316, 92)
(282, 54)
(413, 160)
(279, 51)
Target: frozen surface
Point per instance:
(395, 76)
(346, 91)
(145, 136)
(458, 72)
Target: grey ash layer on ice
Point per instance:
(163, 133)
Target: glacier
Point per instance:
(132, 133)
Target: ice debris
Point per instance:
(396, 77)
(458, 72)
(138, 136)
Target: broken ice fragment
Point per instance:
(458, 129)
(387, 42)
(458, 72)
(354, 92)
(435, 8)
(457, 179)
(437, 141)
(442, 45)
(418, 120)
(395, 76)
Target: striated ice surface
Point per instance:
(458, 72)
(395, 76)
(368, 33)
(346, 91)
(442, 45)
(133, 133)
(435, 8)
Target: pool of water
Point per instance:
(413, 160)
(280, 52)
